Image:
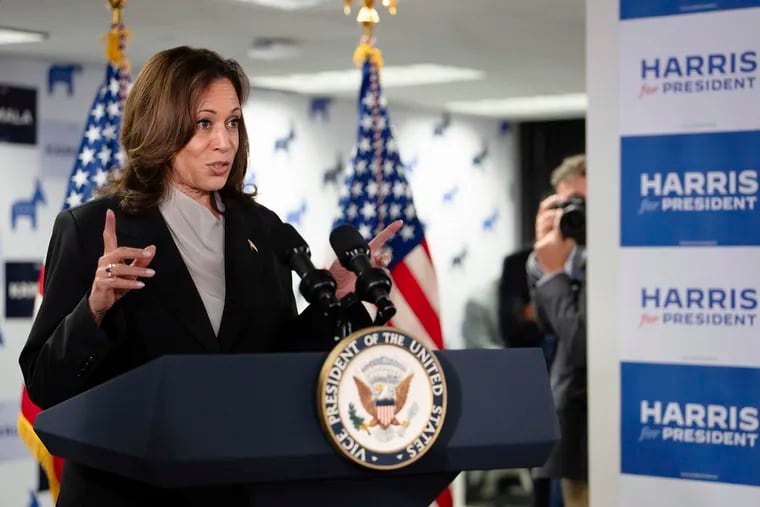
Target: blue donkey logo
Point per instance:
(283, 143)
(320, 107)
(62, 74)
(296, 216)
(28, 208)
(490, 221)
(332, 174)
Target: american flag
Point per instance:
(376, 193)
(99, 154)
(100, 151)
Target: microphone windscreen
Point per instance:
(286, 239)
(346, 238)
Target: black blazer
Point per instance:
(66, 353)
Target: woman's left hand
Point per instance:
(346, 280)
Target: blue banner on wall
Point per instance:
(630, 9)
(691, 422)
(690, 190)
(18, 114)
(21, 287)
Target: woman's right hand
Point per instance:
(114, 277)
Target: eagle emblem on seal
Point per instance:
(381, 398)
(383, 401)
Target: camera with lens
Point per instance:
(572, 223)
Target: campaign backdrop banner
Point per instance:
(21, 287)
(59, 147)
(690, 189)
(696, 311)
(690, 73)
(630, 9)
(689, 291)
(691, 422)
(18, 114)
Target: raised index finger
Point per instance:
(384, 235)
(109, 233)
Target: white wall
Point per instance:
(603, 147)
(286, 181)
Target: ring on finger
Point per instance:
(109, 270)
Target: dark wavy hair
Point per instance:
(160, 119)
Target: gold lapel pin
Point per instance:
(252, 246)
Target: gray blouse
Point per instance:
(199, 236)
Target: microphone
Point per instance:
(317, 285)
(372, 284)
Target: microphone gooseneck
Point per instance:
(317, 285)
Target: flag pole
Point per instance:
(117, 35)
(384, 194)
(116, 44)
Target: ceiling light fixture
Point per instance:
(349, 80)
(538, 106)
(287, 5)
(18, 36)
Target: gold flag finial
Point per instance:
(117, 36)
(116, 7)
(368, 14)
(368, 17)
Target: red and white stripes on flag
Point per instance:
(415, 294)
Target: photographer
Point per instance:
(556, 275)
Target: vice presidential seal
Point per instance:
(382, 398)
